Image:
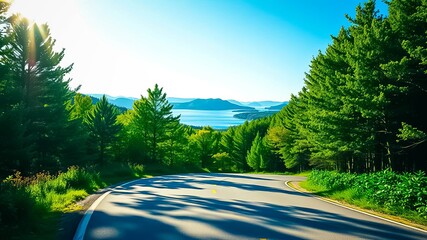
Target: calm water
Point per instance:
(216, 119)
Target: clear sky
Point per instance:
(245, 50)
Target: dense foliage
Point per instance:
(361, 110)
(407, 191)
(362, 106)
(26, 202)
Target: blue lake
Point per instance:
(216, 119)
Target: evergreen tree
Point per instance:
(256, 155)
(293, 118)
(81, 107)
(41, 93)
(154, 120)
(131, 142)
(177, 140)
(359, 109)
(226, 158)
(408, 19)
(103, 126)
(274, 141)
(204, 144)
(12, 151)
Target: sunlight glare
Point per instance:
(42, 11)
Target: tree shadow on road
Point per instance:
(152, 215)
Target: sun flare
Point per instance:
(42, 11)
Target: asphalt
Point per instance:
(229, 206)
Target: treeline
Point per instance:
(37, 131)
(46, 126)
(362, 108)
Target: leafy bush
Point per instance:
(18, 209)
(23, 200)
(331, 180)
(77, 178)
(407, 191)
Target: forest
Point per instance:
(361, 110)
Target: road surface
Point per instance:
(229, 206)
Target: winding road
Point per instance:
(227, 206)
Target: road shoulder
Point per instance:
(394, 219)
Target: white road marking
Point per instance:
(81, 229)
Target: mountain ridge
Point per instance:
(127, 102)
(209, 104)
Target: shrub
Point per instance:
(407, 191)
(18, 209)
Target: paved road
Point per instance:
(229, 206)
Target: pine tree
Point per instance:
(204, 144)
(42, 92)
(177, 140)
(256, 155)
(293, 118)
(81, 106)
(228, 149)
(103, 126)
(408, 19)
(154, 120)
(12, 151)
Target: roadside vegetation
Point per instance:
(31, 206)
(388, 192)
(360, 111)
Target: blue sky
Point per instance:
(231, 49)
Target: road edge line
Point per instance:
(81, 228)
(356, 210)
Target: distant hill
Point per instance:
(95, 100)
(256, 104)
(198, 104)
(209, 104)
(278, 107)
(122, 102)
(179, 100)
(236, 102)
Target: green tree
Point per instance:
(204, 144)
(81, 106)
(408, 19)
(256, 156)
(42, 91)
(154, 122)
(131, 142)
(274, 141)
(175, 144)
(12, 138)
(103, 126)
(296, 146)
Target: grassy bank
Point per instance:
(30, 207)
(402, 195)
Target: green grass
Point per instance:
(303, 174)
(31, 207)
